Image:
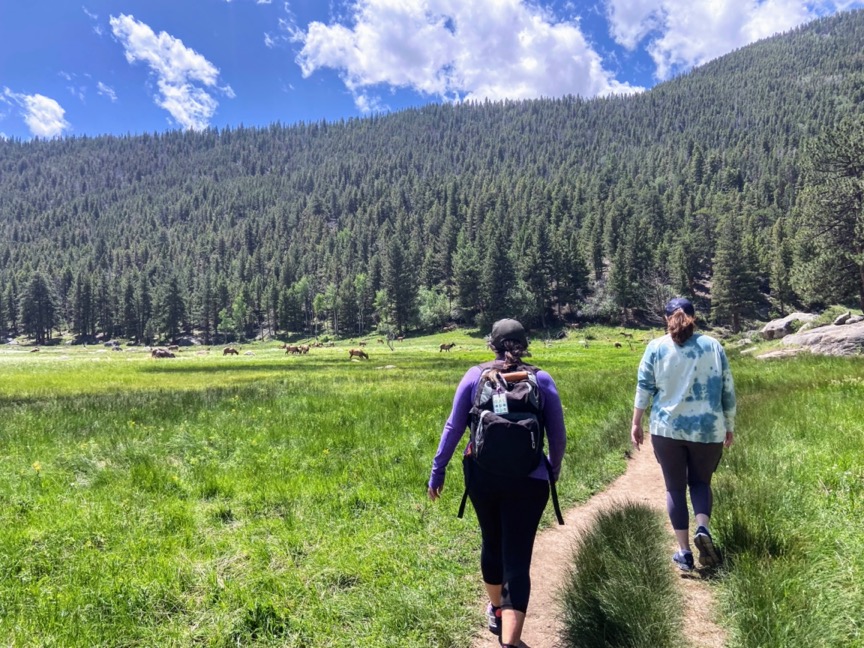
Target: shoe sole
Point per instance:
(708, 556)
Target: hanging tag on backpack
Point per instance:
(499, 404)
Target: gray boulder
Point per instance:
(855, 319)
(831, 340)
(780, 328)
(840, 321)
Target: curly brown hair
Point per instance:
(680, 326)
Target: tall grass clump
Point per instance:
(789, 502)
(621, 591)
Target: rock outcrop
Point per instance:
(779, 328)
(847, 339)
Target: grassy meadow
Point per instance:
(789, 499)
(273, 500)
(257, 500)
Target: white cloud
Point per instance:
(180, 71)
(454, 49)
(106, 91)
(686, 33)
(43, 115)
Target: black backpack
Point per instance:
(507, 421)
(507, 431)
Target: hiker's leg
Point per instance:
(702, 461)
(512, 622)
(494, 592)
(672, 457)
(521, 517)
(487, 505)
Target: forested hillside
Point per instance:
(727, 184)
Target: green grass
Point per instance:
(275, 500)
(789, 499)
(257, 500)
(621, 591)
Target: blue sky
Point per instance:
(136, 66)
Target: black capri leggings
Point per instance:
(509, 511)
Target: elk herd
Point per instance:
(358, 352)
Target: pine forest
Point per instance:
(739, 184)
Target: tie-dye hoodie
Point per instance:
(692, 389)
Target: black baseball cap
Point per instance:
(507, 329)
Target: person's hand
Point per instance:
(730, 438)
(434, 493)
(636, 435)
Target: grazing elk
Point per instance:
(230, 351)
(304, 348)
(446, 346)
(360, 353)
(293, 349)
(159, 352)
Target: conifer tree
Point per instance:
(172, 309)
(466, 274)
(734, 291)
(38, 309)
(833, 212)
(781, 266)
(145, 310)
(83, 315)
(130, 310)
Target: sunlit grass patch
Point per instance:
(264, 500)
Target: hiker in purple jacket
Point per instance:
(508, 509)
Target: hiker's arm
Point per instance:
(454, 428)
(727, 398)
(646, 387)
(636, 433)
(553, 418)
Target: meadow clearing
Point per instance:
(280, 500)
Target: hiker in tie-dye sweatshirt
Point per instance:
(685, 377)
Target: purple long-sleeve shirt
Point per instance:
(460, 419)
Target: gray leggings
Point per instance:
(687, 463)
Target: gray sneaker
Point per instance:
(684, 560)
(493, 617)
(708, 555)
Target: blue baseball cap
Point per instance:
(681, 303)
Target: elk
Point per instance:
(230, 351)
(360, 353)
(446, 347)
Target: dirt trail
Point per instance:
(643, 483)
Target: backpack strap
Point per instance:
(468, 467)
(553, 491)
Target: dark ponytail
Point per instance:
(512, 351)
(680, 326)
